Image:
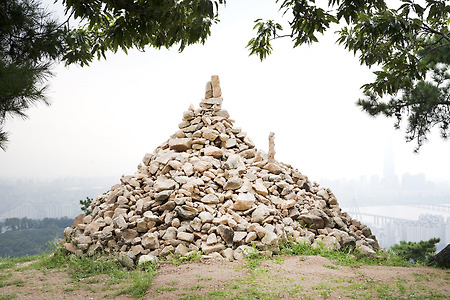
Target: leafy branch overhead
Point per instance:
(121, 24)
(31, 39)
(409, 47)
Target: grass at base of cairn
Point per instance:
(136, 282)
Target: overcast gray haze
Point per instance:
(104, 118)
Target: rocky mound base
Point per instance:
(209, 189)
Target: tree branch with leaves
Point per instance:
(409, 47)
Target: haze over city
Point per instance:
(105, 117)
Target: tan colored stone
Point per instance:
(239, 236)
(185, 236)
(244, 201)
(202, 166)
(210, 134)
(208, 90)
(210, 199)
(233, 183)
(164, 183)
(271, 153)
(212, 248)
(78, 220)
(213, 151)
(212, 239)
(150, 241)
(288, 204)
(70, 247)
(180, 144)
(215, 84)
(274, 168)
(260, 188)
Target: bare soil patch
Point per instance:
(283, 277)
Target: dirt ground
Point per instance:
(284, 277)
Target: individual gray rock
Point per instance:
(260, 213)
(367, 232)
(150, 217)
(239, 236)
(185, 236)
(196, 224)
(228, 253)
(211, 239)
(206, 217)
(312, 221)
(270, 238)
(234, 161)
(126, 261)
(150, 241)
(169, 206)
(181, 250)
(170, 234)
(143, 259)
(212, 248)
(163, 195)
(226, 233)
(233, 183)
(331, 243)
(367, 251)
(243, 251)
(210, 134)
(186, 212)
(120, 222)
(128, 235)
(323, 193)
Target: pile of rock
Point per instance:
(209, 189)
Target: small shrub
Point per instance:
(417, 252)
(347, 256)
(191, 256)
(85, 204)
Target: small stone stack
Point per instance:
(209, 189)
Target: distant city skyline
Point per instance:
(104, 118)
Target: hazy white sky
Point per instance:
(104, 118)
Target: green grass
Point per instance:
(17, 282)
(166, 288)
(11, 262)
(83, 266)
(142, 279)
(333, 267)
(260, 282)
(7, 297)
(196, 287)
(200, 277)
(348, 256)
(192, 256)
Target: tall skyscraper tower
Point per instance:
(389, 177)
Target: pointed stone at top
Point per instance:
(215, 83)
(213, 95)
(271, 154)
(208, 90)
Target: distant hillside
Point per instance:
(31, 241)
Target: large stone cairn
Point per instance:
(209, 189)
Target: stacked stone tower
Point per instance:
(209, 189)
